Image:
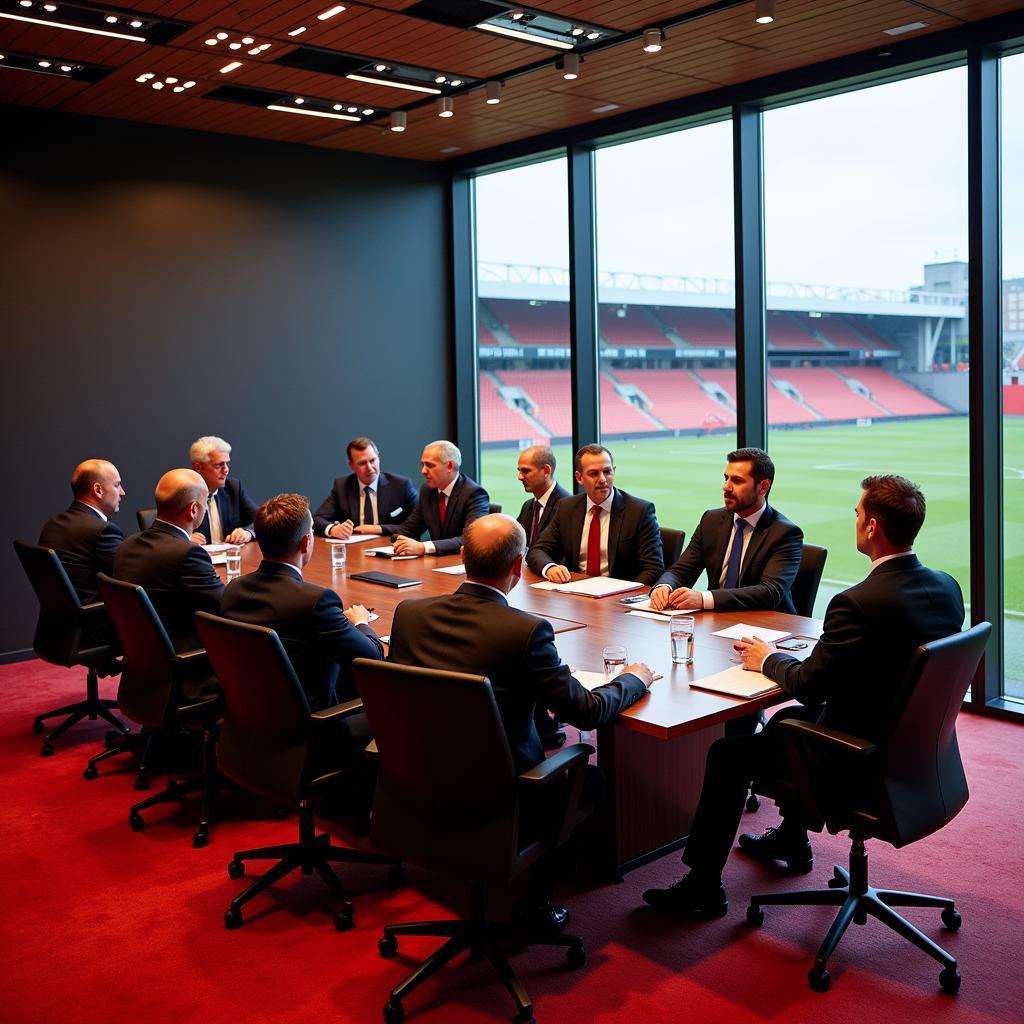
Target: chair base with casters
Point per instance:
(94, 706)
(311, 853)
(134, 744)
(480, 937)
(856, 899)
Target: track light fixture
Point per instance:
(764, 11)
(570, 66)
(493, 92)
(399, 119)
(653, 38)
(445, 106)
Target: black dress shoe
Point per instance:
(689, 897)
(542, 917)
(553, 740)
(776, 845)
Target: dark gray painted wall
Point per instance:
(159, 284)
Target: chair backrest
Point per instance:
(922, 777)
(805, 584)
(58, 631)
(672, 542)
(147, 693)
(264, 740)
(446, 795)
(146, 517)
(493, 508)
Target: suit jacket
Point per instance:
(312, 627)
(468, 501)
(474, 630)
(176, 574)
(396, 500)
(236, 509)
(85, 545)
(871, 633)
(769, 566)
(525, 518)
(634, 540)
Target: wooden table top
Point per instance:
(671, 709)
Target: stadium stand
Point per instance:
(677, 398)
(700, 328)
(788, 331)
(828, 393)
(848, 334)
(897, 396)
(1013, 400)
(498, 421)
(544, 324)
(619, 416)
(634, 329)
(484, 335)
(550, 391)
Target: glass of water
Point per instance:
(614, 656)
(233, 561)
(338, 555)
(680, 631)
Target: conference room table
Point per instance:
(653, 753)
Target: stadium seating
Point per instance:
(617, 415)
(700, 328)
(545, 324)
(484, 335)
(853, 335)
(551, 391)
(827, 392)
(896, 395)
(498, 422)
(678, 400)
(632, 330)
(1013, 400)
(788, 331)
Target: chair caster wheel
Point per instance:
(949, 980)
(387, 947)
(135, 822)
(576, 956)
(232, 918)
(396, 874)
(819, 979)
(37, 727)
(753, 802)
(755, 916)
(951, 919)
(343, 918)
(141, 782)
(236, 868)
(90, 772)
(46, 750)
(394, 1012)
(200, 838)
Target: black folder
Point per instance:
(385, 579)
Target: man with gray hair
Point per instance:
(176, 573)
(449, 502)
(231, 511)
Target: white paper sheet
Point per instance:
(356, 538)
(742, 629)
(394, 558)
(736, 682)
(453, 570)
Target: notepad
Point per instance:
(387, 553)
(591, 586)
(736, 682)
(742, 629)
(385, 579)
(356, 538)
(453, 570)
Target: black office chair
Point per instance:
(492, 508)
(273, 745)
(899, 789)
(145, 517)
(151, 694)
(448, 798)
(66, 635)
(804, 590)
(672, 542)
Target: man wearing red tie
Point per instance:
(601, 532)
(537, 475)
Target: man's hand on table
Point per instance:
(407, 546)
(557, 574)
(753, 651)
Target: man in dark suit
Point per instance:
(602, 532)
(367, 500)
(320, 637)
(871, 633)
(754, 574)
(83, 536)
(449, 502)
(474, 630)
(176, 573)
(537, 475)
(230, 513)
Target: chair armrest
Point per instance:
(831, 738)
(207, 703)
(371, 753)
(191, 659)
(336, 711)
(93, 608)
(551, 767)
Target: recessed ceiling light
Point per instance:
(370, 80)
(450, 149)
(222, 36)
(297, 31)
(48, 23)
(577, 31)
(911, 26)
(367, 111)
(248, 40)
(311, 113)
(455, 83)
(592, 34)
(111, 19)
(211, 42)
(230, 67)
(606, 108)
(234, 46)
(525, 37)
(44, 63)
(330, 12)
(134, 24)
(299, 100)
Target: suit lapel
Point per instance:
(614, 529)
(451, 509)
(578, 517)
(756, 540)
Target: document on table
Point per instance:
(453, 570)
(742, 629)
(216, 552)
(387, 552)
(736, 682)
(657, 616)
(356, 538)
(592, 586)
(592, 680)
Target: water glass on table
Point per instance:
(233, 561)
(680, 632)
(614, 656)
(338, 556)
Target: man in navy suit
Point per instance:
(449, 502)
(83, 536)
(367, 500)
(230, 513)
(537, 475)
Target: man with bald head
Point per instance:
(83, 536)
(536, 470)
(177, 574)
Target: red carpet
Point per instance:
(103, 925)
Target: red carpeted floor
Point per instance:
(101, 924)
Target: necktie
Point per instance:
(213, 511)
(535, 522)
(442, 504)
(732, 574)
(594, 544)
(367, 508)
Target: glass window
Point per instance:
(522, 242)
(666, 296)
(1012, 74)
(866, 264)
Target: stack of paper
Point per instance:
(591, 586)
(736, 682)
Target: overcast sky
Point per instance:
(861, 189)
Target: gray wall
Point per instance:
(160, 284)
